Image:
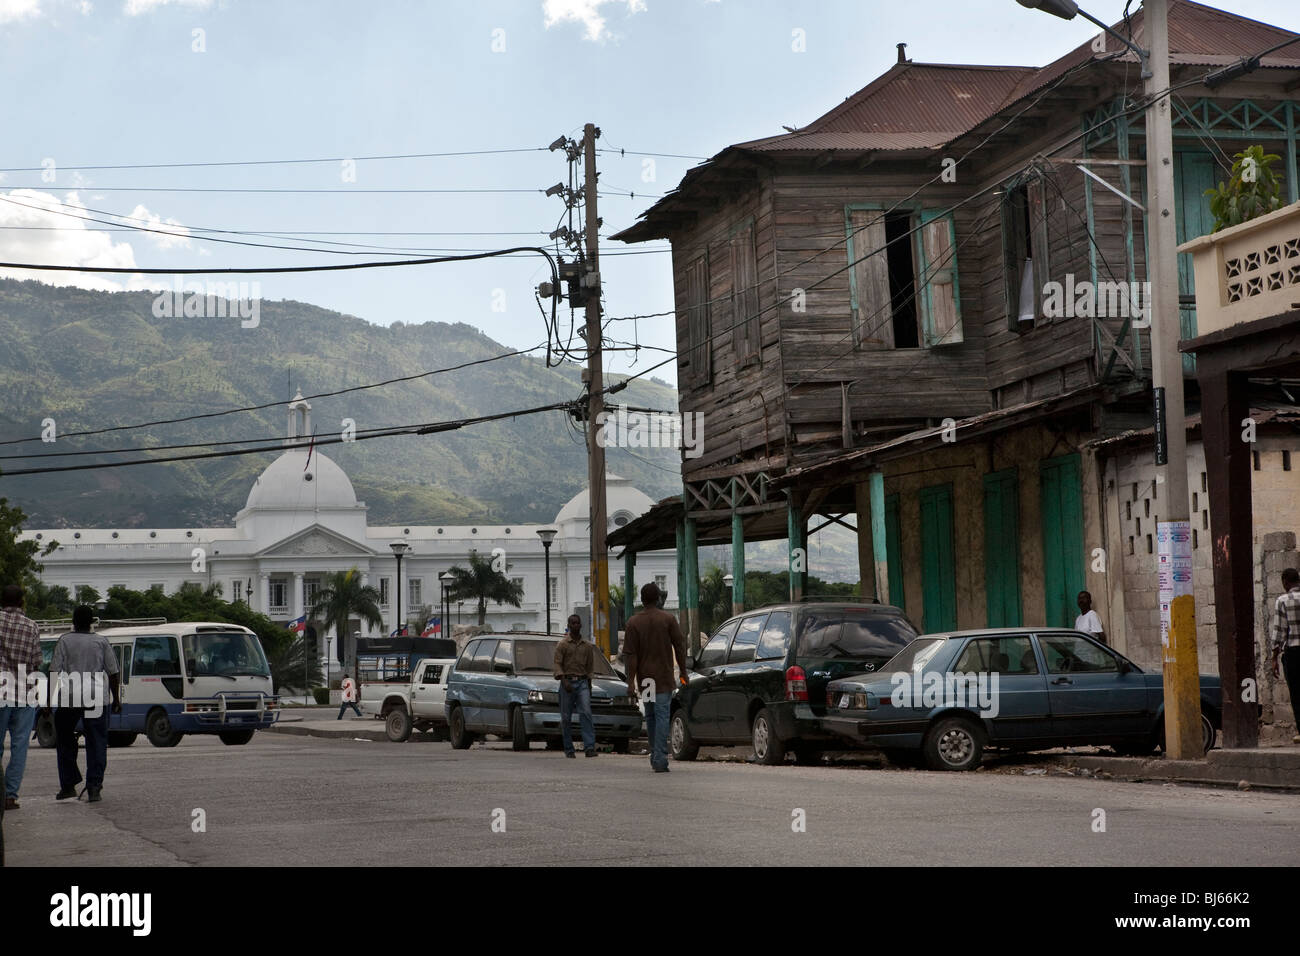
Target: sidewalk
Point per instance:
(323, 722)
(1265, 768)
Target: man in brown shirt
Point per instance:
(653, 638)
(575, 663)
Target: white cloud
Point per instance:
(140, 216)
(73, 242)
(11, 10)
(134, 8)
(586, 12)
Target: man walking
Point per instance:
(1286, 640)
(349, 687)
(575, 663)
(1088, 621)
(653, 637)
(20, 646)
(81, 663)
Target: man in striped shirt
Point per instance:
(1286, 640)
(20, 644)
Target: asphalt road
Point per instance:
(285, 800)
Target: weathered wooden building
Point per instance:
(919, 314)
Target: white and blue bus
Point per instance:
(178, 679)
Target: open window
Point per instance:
(903, 280)
(1025, 251)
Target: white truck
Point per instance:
(418, 703)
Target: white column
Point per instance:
(264, 592)
(297, 595)
(365, 582)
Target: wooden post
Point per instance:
(682, 619)
(1228, 480)
(878, 541)
(737, 563)
(629, 585)
(866, 555)
(595, 405)
(798, 549)
(692, 568)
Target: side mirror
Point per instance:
(1124, 667)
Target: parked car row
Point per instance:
(800, 679)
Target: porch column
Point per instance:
(264, 592)
(866, 556)
(737, 563)
(1228, 480)
(629, 585)
(692, 594)
(681, 578)
(298, 609)
(879, 550)
(798, 562)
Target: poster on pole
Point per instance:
(1174, 571)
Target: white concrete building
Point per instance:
(302, 520)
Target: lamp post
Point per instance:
(729, 580)
(399, 548)
(444, 608)
(547, 535)
(1181, 680)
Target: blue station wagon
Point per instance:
(503, 684)
(946, 697)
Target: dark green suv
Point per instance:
(762, 677)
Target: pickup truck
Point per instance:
(419, 702)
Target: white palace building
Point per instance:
(302, 520)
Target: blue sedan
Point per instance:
(946, 697)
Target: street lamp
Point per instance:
(547, 535)
(729, 580)
(444, 609)
(399, 549)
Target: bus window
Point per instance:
(156, 656)
(123, 654)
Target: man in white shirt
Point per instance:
(1088, 621)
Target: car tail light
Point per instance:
(796, 684)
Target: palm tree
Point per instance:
(341, 597)
(481, 583)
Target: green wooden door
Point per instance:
(1002, 548)
(1062, 518)
(894, 552)
(938, 564)
(1194, 172)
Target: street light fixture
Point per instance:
(444, 609)
(399, 548)
(547, 535)
(1068, 10)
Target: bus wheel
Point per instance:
(235, 738)
(158, 728)
(121, 738)
(45, 735)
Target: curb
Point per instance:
(1257, 769)
(344, 733)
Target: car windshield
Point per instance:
(534, 656)
(224, 654)
(914, 656)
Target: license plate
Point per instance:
(844, 699)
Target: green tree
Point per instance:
(715, 599)
(292, 663)
(19, 560)
(341, 597)
(617, 614)
(481, 583)
(1252, 191)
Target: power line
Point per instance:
(283, 162)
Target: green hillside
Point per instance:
(96, 359)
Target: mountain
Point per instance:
(93, 360)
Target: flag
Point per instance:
(404, 632)
(432, 626)
(298, 625)
(310, 446)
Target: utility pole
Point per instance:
(595, 399)
(1174, 556)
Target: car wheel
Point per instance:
(622, 745)
(397, 725)
(808, 756)
(158, 728)
(121, 738)
(45, 733)
(235, 738)
(954, 743)
(460, 738)
(518, 733)
(680, 741)
(769, 749)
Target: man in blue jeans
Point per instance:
(575, 663)
(82, 659)
(20, 652)
(653, 638)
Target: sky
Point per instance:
(145, 82)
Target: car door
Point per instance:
(467, 681)
(427, 698)
(123, 654)
(734, 684)
(498, 682)
(1093, 698)
(699, 705)
(1010, 686)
